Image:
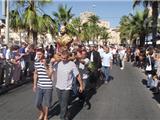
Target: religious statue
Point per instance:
(63, 40)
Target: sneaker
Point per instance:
(106, 82)
(152, 88)
(148, 86)
(156, 92)
(121, 68)
(12, 81)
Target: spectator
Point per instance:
(51, 51)
(9, 66)
(149, 68)
(1, 66)
(16, 61)
(31, 56)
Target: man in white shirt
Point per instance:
(100, 50)
(65, 72)
(8, 54)
(106, 63)
(114, 53)
(122, 54)
(9, 66)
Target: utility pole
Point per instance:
(5, 12)
(7, 22)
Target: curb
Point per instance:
(6, 89)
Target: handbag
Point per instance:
(149, 67)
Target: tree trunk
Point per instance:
(134, 43)
(29, 37)
(142, 40)
(20, 38)
(154, 21)
(34, 37)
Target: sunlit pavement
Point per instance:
(123, 98)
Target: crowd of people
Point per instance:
(76, 70)
(17, 63)
(148, 59)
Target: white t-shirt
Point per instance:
(45, 53)
(83, 69)
(101, 51)
(122, 54)
(65, 75)
(91, 58)
(106, 59)
(114, 51)
(8, 54)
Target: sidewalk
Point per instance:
(5, 89)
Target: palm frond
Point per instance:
(136, 2)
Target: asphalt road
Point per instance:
(124, 98)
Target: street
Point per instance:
(126, 97)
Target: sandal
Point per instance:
(41, 117)
(45, 118)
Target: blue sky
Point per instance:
(110, 10)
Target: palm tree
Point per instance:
(154, 4)
(64, 15)
(47, 24)
(141, 21)
(93, 24)
(94, 19)
(30, 12)
(86, 33)
(135, 26)
(77, 24)
(97, 31)
(104, 34)
(74, 28)
(126, 29)
(15, 22)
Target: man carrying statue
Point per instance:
(64, 71)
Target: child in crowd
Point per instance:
(156, 84)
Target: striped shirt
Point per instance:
(44, 82)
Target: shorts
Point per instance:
(43, 97)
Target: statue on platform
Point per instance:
(63, 40)
(63, 43)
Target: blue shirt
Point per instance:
(22, 50)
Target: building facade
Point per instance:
(114, 36)
(104, 23)
(84, 17)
